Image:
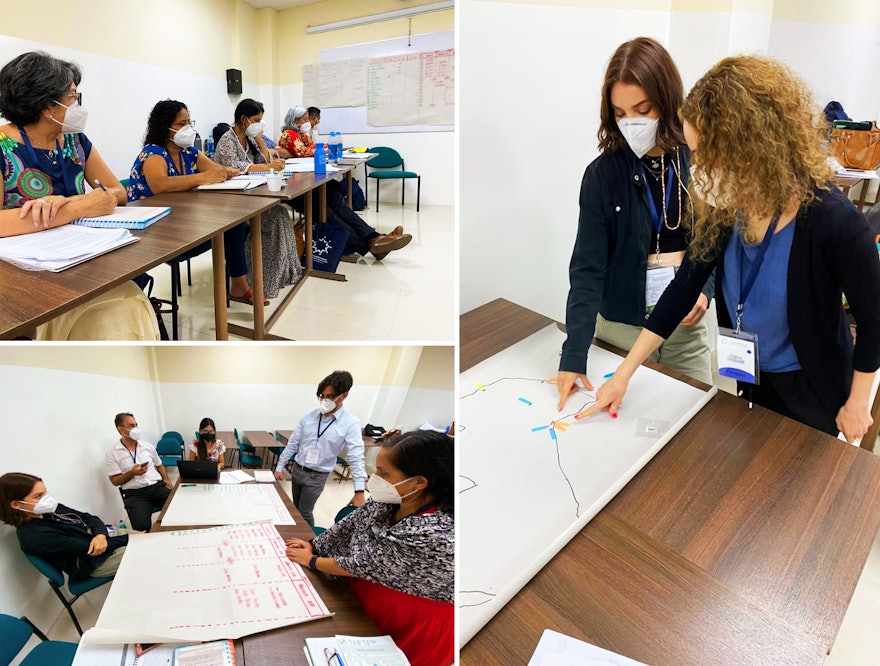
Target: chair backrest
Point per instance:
(174, 434)
(14, 634)
(46, 569)
(388, 158)
(343, 512)
(169, 446)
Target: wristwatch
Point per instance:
(312, 563)
(358, 492)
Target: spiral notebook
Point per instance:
(215, 653)
(136, 217)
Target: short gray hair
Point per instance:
(32, 81)
(293, 113)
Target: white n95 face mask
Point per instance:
(47, 504)
(382, 491)
(185, 137)
(74, 119)
(327, 405)
(716, 196)
(305, 127)
(135, 433)
(640, 134)
(254, 128)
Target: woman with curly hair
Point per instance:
(786, 245)
(631, 238)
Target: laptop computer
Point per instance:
(198, 470)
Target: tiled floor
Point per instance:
(408, 296)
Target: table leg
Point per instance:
(221, 325)
(322, 198)
(257, 260)
(309, 221)
(348, 188)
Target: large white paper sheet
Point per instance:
(222, 504)
(555, 649)
(532, 477)
(203, 585)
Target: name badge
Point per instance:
(738, 355)
(657, 278)
(312, 457)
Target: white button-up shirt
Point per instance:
(119, 460)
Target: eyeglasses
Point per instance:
(182, 124)
(332, 396)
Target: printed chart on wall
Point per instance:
(223, 582)
(215, 504)
(533, 477)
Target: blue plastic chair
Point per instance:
(14, 635)
(175, 435)
(76, 587)
(247, 453)
(390, 159)
(170, 451)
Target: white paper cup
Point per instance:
(273, 182)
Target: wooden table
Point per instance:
(32, 298)
(284, 645)
(741, 542)
(261, 439)
(298, 184)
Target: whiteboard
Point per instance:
(531, 477)
(354, 119)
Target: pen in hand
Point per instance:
(98, 183)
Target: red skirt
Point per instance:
(423, 628)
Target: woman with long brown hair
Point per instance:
(631, 232)
(786, 245)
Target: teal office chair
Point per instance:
(342, 513)
(14, 635)
(390, 159)
(276, 451)
(76, 587)
(173, 434)
(170, 451)
(247, 454)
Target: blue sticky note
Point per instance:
(552, 434)
(608, 376)
(539, 428)
(528, 402)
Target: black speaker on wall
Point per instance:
(233, 81)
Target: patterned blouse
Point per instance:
(297, 144)
(214, 455)
(137, 184)
(229, 152)
(34, 173)
(415, 555)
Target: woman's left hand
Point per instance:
(43, 210)
(853, 421)
(299, 551)
(696, 314)
(98, 545)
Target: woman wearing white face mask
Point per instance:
(295, 133)
(631, 231)
(398, 550)
(242, 148)
(73, 541)
(46, 161)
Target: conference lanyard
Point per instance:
(655, 217)
(329, 423)
(133, 455)
(68, 190)
(745, 288)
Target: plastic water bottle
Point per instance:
(123, 528)
(331, 145)
(209, 146)
(320, 159)
(338, 145)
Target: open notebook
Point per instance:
(243, 182)
(124, 217)
(62, 247)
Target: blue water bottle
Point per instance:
(209, 146)
(338, 145)
(320, 159)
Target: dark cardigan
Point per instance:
(832, 252)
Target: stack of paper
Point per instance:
(235, 476)
(62, 247)
(303, 165)
(246, 181)
(355, 651)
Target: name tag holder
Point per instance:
(657, 278)
(738, 355)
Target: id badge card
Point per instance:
(312, 457)
(738, 355)
(657, 278)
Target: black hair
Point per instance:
(429, 454)
(14, 487)
(201, 445)
(313, 111)
(32, 81)
(120, 418)
(246, 108)
(160, 120)
(340, 380)
(219, 130)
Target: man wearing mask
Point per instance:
(136, 468)
(314, 121)
(318, 439)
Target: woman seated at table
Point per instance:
(46, 161)
(243, 148)
(169, 162)
(398, 550)
(73, 541)
(295, 137)
(207, 446)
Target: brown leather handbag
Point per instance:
(857, 149)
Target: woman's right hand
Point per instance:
(217, 173)
(277, 164)
(609, 397)
(100, 202)
(565, 384)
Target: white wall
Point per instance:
(530, 113)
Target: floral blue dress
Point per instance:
(137, 184)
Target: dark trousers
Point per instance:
(307, 484)
(140, 503)
(789, 394)
(341, 215)
(233, 248)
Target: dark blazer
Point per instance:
(832, 252)
(64, 544)
(610, 257)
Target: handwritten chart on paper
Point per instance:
(532, 477)
(215, 504)
(202, 585)
(341, 83)
(412, 89)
